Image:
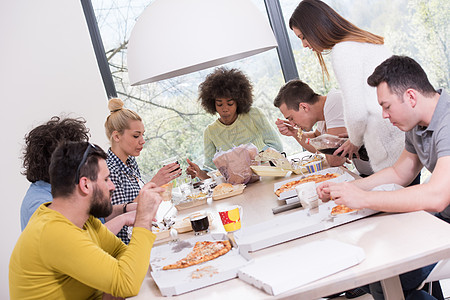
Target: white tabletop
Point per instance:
(393, 244)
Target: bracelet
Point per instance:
(125, 207)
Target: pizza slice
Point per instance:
(316, 178)
(341, 209)
(202, 251)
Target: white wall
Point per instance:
(47, 68)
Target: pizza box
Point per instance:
(292, 226)
(269, 171)
(287, 271)
(178, 281)
(344, 176)
(237, 189)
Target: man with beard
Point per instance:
(65, 252)
(40, 143)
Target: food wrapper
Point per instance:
(275, 157)
(234, 164)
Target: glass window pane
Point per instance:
(173, 119)
(417, 28)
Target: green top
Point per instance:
(252, 127)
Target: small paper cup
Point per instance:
(314, 166)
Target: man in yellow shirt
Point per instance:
(65, 252)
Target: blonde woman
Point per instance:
(354, 54)
(125, 131)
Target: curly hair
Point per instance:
(43, 140)
(226, 83)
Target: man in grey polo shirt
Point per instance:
(414, 106)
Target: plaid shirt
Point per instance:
(126, 180)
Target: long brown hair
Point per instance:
(323, 28)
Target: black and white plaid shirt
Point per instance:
(126, 180)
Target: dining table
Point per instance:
(393, 243)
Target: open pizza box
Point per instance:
(178, 281)
(294, 225)
(298, 224)
(289, 271)
(343, 176)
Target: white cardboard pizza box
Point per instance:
(178, 281)
(294, 225)
(344, 176)
(288, 270)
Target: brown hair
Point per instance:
(401, 73)
(65, 162)
(226, 83)
(43, 140)
(119, 117)
(295, 92)
(323, 28)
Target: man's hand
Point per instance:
(167, 173)
(149, 200)
(286, 128)
(347, 148)
(347, 194)
(323, 191)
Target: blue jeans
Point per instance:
(410, 282)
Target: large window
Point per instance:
(417, 28)
(173, 119)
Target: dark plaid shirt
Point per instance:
(126, 181)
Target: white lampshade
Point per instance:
(176, 37)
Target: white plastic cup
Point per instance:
(307, 194)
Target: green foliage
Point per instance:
(174, 120)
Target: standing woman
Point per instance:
(125, 131)
(228, 92)
(354, 54)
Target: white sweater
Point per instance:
(353, 63)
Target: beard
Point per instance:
(101, 206)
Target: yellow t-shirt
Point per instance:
(54, 259)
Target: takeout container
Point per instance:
(343, 176)
(178, 281)
(269, 171)
(192, 201)
(297, 272)
(292, 226)
(237, 189)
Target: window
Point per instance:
(173, 119)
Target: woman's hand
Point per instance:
(286, 128)
(167, 173)
(194, 170)
(347, 148)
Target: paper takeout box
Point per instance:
(344, 176)
(178, 281)
(287, 271)
(292, 226)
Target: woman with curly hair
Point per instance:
(229, 93)
(39, 146)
